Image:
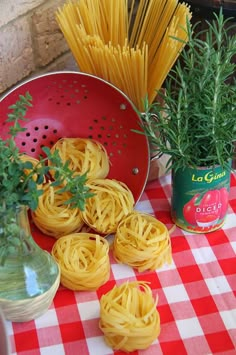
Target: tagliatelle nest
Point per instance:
(53, 217)
(142, 242)
(111, 202)
(129, 319)
(34, 162)
(84, 156)
(83, 259)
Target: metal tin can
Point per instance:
(200, 198)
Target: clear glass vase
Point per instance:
(29, 276)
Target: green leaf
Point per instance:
(197, 124)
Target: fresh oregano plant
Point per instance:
(21, 181)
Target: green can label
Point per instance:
(200, 198)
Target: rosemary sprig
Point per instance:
(197, 126)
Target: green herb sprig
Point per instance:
(19, 186)
(196, 125)
(21, 181)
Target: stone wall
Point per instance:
(30, 41)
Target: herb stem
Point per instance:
(197, 123)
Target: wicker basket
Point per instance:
(30, 308)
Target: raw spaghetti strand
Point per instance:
(138, 21)
(117, 64)
(129, 319)
(137, 42)
(154, 38)
(169, 50)
(84, 261)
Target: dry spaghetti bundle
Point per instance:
(111, 202)
(84, 261)
(142, 242)
(84, 156)
(132, 48)
(53, 217)
(128, 317)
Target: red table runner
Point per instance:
(197, 303)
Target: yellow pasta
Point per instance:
(53, 217)
(129, 319)
(142, 242)
(111, 202)
(84, 261)
(130, 47)
(84, 156)
(27, 158)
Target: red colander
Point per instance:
(74, 104)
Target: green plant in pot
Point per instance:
(29, 276)
(197, 125)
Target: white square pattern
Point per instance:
(203, 255)
(122, 271)
(52, 349)
(97, 346)
(47, 319)
(229, 319)
(9, 328)
(230, 221)
(175, 293)
(89, 310)
(233, 244)
(166, 267)
(218, 285)
(144, 206)
(189, 328)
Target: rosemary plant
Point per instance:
(18, 185)
(197, 124)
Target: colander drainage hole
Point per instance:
(123, 107)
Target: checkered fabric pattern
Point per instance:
(197, 303)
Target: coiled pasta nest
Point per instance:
(111, 202)
(129, 319)
(83, 259)
(84, 156)
(27, 158)
(53, 217)
(142, 242)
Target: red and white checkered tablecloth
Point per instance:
(197, 302)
